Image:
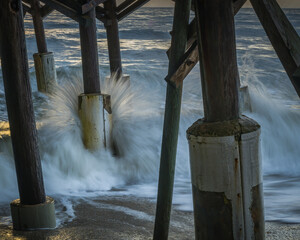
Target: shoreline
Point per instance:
(124, 217)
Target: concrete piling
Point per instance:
(27, 217)
(94, 113)
(226, 179)
(252, 179)
(216, 180)
(45, 72)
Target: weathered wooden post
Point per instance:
(171, 123)
(224, 147)
(114, 52)
(43, 60)
(284, 38)
(92, 105)
(113, 42)
(33, 210)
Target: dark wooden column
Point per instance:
(282, 35)
(38, 26)
(113, 42)
(19, 103)
(89, 54)
(217, 51)
(171, 123)
(215, 216)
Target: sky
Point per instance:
(169, 3)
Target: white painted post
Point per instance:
(227, 179)
(252, 185)
(216, 180)
(45, 72)
(94, 111)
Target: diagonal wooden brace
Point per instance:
(282, 35)
(191, 57)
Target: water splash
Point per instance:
(70, 170)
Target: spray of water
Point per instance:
(71, 170)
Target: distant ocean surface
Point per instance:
(70, 170)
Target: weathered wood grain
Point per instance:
(90, 5)
(113, 42)
(89, 55)
(216, 38)
(38, 26)
(171, 123)
(136, 5)
(282, 35)
(69, 12)
(189, 63)
(19, 103)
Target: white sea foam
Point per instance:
(70, 170)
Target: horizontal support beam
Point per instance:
(90, 5)
(69, 12)
(46, 10)
(131, 9)
(124, 5)
(100, 15)
(26, 9)
(75, 5)
(282, 35)
(237, 5)
(27, 2)
(100, 10)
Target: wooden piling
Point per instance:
(19, 103)
(224, 147)
(216, 36)
(89, 54)
(91, 104)
(113, 42)
(284, 38)
(43, 61)
(38, 26)
(171, 123)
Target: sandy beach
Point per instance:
(116, 218)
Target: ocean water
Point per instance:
(70, 170)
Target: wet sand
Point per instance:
(126, 217)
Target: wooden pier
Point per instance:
(208, 38)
